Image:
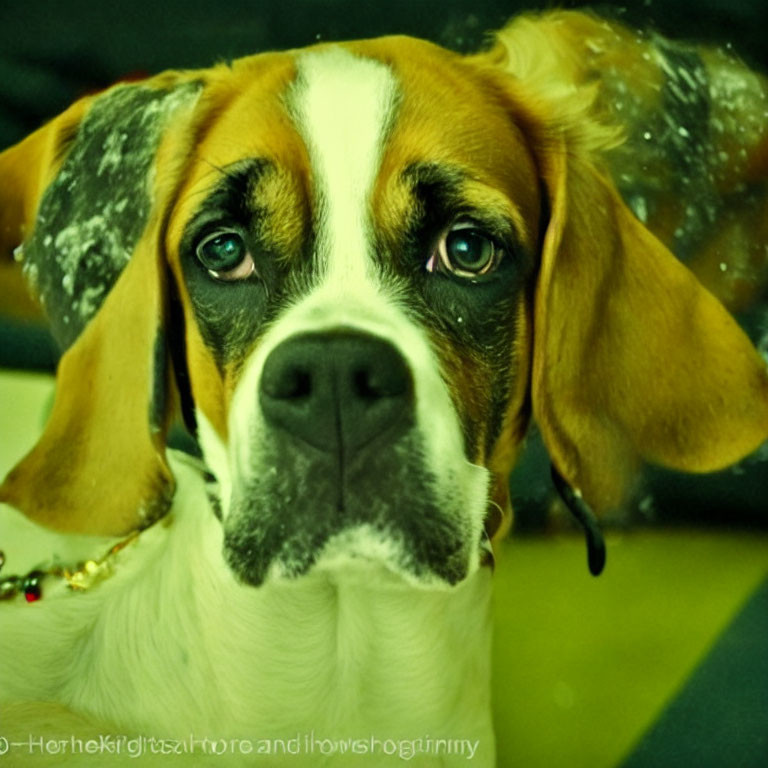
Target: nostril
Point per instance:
(299, 385)
(287, 382)
(365, 386)
(378, 381)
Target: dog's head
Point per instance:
(358, 268)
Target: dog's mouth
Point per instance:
(302, 513)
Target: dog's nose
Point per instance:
(335, 390)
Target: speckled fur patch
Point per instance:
(93, 213)
(681, 154)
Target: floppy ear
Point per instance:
(633, 358)
(88, 196)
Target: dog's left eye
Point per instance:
(225, 256)
(464, 250)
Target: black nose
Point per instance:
(335, 391)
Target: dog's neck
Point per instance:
(351, 654)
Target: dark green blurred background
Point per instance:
(52, 51)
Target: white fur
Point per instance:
(343, 106)
(171, 645)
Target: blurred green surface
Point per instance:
(24, 400)
(584, 666)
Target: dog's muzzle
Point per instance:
(337, 470)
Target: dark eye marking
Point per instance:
(220, 236)
(452, 234)
(226, 266)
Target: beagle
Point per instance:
(357, 271)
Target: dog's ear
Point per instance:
(83, 203)
(632, 358)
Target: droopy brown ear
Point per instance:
(99, 466)
(633, 358)
(88, 194)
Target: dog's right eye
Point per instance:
(225, 256)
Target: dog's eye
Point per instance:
(466, 251)
(225, 256)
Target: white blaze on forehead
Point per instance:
(344, 105)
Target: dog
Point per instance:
(356, 272)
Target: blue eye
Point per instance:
(222, 252)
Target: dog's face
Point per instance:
(360, 267)
(354, 264)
